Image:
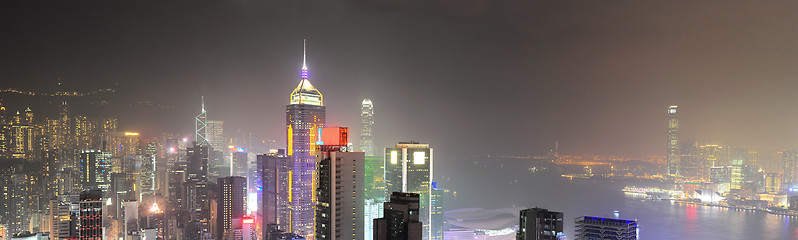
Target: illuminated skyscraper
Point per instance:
(201, 129)
(305, 115)
(276, 173)
(91, 215)
(789, 161)
(95, 169)
(673, 141)
(366, 127)
(232, 204)
(538, 223)
(215, 135)
(401, 218)
(339, 190)
(408, 168)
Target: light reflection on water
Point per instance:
(658, 219)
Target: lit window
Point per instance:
(418, 157)
(394, 157)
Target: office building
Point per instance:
(436, 212)
(95, 169)
(400, 219)
(201, 126)
(409, 168)
(232, 204)
(773, 182)
(91, 215)
(789, 161)
(588, 228)
(275, 191)
(305, 115)
(339, 191)
(691, 162)
(673, 142)
(240, 163)
(197, 159)
(366, 127)
(375, 193)
(540, 224)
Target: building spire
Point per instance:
(203, 103)
(304, 73)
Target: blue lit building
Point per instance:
(589, 228)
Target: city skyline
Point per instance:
(561, 111)
(126, 121)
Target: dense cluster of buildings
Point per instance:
(76, 177)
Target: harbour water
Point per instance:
(510, 183)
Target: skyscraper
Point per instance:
(305, 115)
(366, 127)
(339, 190)
(789, 161)
(375, 193)
(401, 218)
(276, 172)
(91, 215)
(436, 212)
(231, 205)
(215, 135)
(201, 126)
(409, 168)
(673, 141)
(540, 224)
(588, 228)
(95, 169)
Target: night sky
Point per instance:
(469, 77)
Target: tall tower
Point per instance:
(409, 168)
(673, 141)
(366, 125)
(305, 116)
(201, 129)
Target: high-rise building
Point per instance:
(540, 224)
(240, 163)
(231, 205)
(736, 180)
(91, 215)
(789, 161)
(375, 193)
(276, 172)
(400, 219)
(215, 135)
(339, 189)
(409, 168)
(197, 159)
(121, 144)
(691, 163)
(588, 228)
(95, 169)
(366, 127)
(201, 126)
(436, 212)
(673, 141)
(773, 182)
(305, 115)
(711, 156)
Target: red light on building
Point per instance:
(248, 220)
(335, 136)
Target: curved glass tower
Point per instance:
(305, 115)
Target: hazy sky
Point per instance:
(469, 77)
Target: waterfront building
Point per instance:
(231, 204)
(773, 182)
(339, 188)
(305, 115)
(95, 169)
(401, 218)
(673, 142)
(691, 162)
(789, 161)
(91, 215)
(540, 224)
(409, 168)
(436, 212)
(711, 155)
(366, 127)
(736, 175)
(589, 228)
